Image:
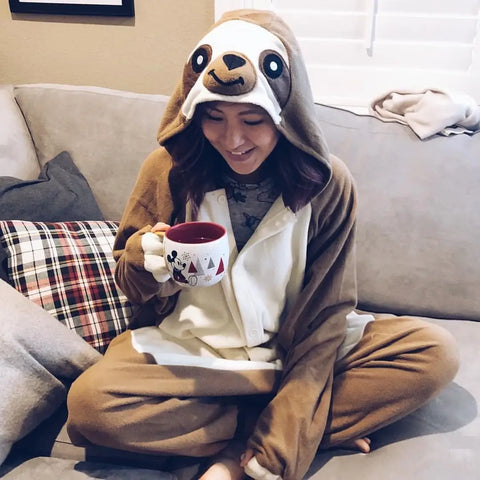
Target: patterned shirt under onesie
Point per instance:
(248, 203)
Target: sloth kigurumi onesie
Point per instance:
(279, 327)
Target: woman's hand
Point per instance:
(160, 228)
(152, 246)
(246, 457)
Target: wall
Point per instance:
(142, 54)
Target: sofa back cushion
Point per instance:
(418, 215)
(108, 133)
(17, 152)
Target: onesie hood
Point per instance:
(249, 56)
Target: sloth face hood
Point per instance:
(249, 56)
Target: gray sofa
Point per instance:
(418, 237)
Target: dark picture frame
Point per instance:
(120, 8)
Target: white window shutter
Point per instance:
(356, 50)
(222, 6)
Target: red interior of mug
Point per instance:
(195, 232)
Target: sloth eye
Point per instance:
(273, 65)
(276, 72)
(200, 59)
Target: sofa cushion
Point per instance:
(108, 132)
(418, 215)
(59, 193)
(446, 431)
(47, 467)
(17, 153)
(438, 441)
(67, 268)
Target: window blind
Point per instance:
(356, 50)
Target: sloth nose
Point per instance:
(233, 61)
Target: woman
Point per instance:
(260, 370)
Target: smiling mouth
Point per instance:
(239, 154)
(237, 81)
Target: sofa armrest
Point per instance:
(38, 355)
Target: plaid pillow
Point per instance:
(67, 268)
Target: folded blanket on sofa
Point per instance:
(429, 111)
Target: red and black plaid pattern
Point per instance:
(67, 268)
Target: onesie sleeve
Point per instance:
(290, 429)
(150, 202)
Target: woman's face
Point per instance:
(244, 134)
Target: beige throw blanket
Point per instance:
(429, 111)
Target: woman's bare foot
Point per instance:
(227, 464)
(224, 469)
(361, 444)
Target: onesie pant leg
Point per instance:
(123, 402)
(399, 364)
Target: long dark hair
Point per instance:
(299, 176)
(199, 168)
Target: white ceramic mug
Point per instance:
(196, 253)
